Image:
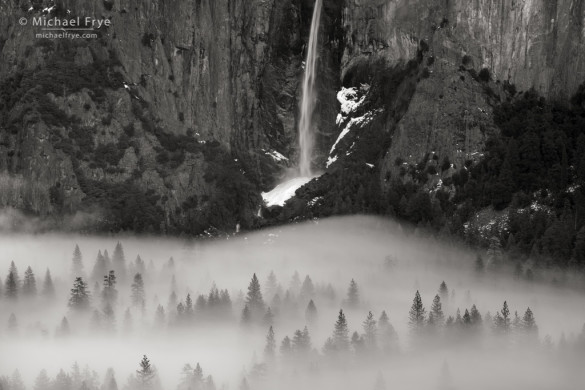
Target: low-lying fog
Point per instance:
(226, 331)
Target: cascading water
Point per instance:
(287, 189)
(309, 95)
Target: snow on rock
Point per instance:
(348, 97)
(284, 191)
(331, 160)
(370, 165)
(275, 155)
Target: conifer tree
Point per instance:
(268, 317)
(295, 284)
(341, 333)
(137, 288)
(285, 347)
(271, 286)
(189, 309)
(100, 268)
(48, 287)
(270, 348)
(246, 316)
(119, 262)
(353, 298)
(444, 291)
(307, 289)
(11, 286)
(63, 330)
(387, 335)
(77, 263)
(160, 316)
(16, 382)
(301, 342)
(128, 321)
(63, 381)
(311, 313)
(529, 324)
(438, 317)
(417, 315)
(110, 380)
(254, 300)
(42, 382)
(79, 299)
(370, 332)
(475, 316)
(109, 292)
(109, 318)
(29, 285)
(145, 374)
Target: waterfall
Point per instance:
(309, 95)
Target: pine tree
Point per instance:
(48, 287)
(79, 299)
(475, 316)
(271, 286)
(63, 381)
(254, 300)
(63, 330)
(444, 291)
(42, 382)
(16, 382)
(311, 313)
(109, 292)
(370, 332)
(160, 316)
(341, 333)
(301, 342)
(438, 318)
(416, 315)
(12, 286)
(189, 309)
(502, 320)
(307, 289)
(146, 374)
(246, 316)
(77, 263)
(110, 380)
(387, 335)
(295, 283)
(353, 297)
(100, 267)
(127, 321)
(109, 318)
(29, 285)
(119, 262)
(270, 348)
(137, 291)
(528, 324)
(268, 317)
(285, 347)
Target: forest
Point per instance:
(375, 320)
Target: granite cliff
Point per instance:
(180, 113)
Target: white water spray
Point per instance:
(309, 95)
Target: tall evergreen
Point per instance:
(42, 382)
(438, 318)
(48, 287)
(479, 265)
(307, 289)
(16, 382)
(63, 330)
(444, 291)
(341, 333)
(146, 374)
(370, 332)
(301, 342)
(109, 292)
(502, 321)
(475, 316)
(119, 262)
(29, 285)
(387, 335)
(417, 314)
(353, 297)
(311, 313)
(137, 293)
(270, 348)
(79, 299)
(271, 286)
(254, 300)
(11, 286)
(77, 263)
(159, 317)
(528, 324)
(100, 268)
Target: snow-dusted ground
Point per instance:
(284, 191)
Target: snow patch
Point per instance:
(370, 165)
(275, 155)
(284, 191)
(348, 97)
(330, 160)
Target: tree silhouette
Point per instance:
(79, 299)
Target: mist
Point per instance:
(224, 329)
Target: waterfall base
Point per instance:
(284, 191)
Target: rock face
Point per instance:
(185, 104)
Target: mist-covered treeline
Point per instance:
(259, 309)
